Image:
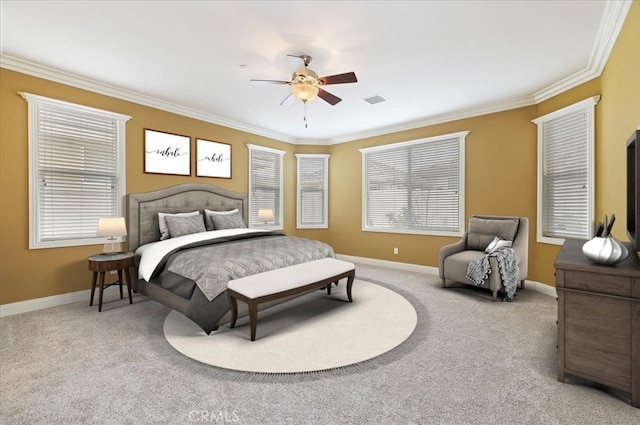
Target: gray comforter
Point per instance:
(212, 264)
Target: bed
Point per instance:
(187, 270)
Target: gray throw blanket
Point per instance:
(479, 269)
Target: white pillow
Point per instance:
(496, 244)
(208, 213)
(162, 223)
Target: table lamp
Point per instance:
(265, 215)
(111, 227)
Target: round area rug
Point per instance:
(310, 333)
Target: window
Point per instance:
(265, 186)
(566, 173)
(76, 171)
(415, 187)
(312, 199)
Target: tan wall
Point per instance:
(618, 116)
(501, 148)
(27, 274)
(500, 179)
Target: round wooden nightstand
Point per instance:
(110, 262)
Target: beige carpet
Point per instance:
(310, 333)
(469, 361)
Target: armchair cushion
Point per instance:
(483, 230)
(457, 265)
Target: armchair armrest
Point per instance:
(448, 250)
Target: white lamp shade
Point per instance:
(111, 227)
(265, 215)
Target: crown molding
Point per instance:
(74, 80)
(53, 74)
(441, 119)
(611, 23)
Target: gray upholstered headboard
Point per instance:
(143, 208)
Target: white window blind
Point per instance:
(265, 185)
(565, 173)
(415, 187)
(312, 199)
(76, 171)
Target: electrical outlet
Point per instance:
(395, 251)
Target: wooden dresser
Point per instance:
(599, 319)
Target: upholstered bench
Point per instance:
(284, 282)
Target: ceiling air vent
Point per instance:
(375, 99)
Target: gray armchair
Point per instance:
(454, 259)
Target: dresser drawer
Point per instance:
(597, 282)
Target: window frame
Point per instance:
(34, 102)
(325, 206)
(278, 215)
(461, 136)
(587, 106)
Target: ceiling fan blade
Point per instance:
(328, 97)
(287, 100)
(271, 81)
(347, 77)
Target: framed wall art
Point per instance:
(166, 153)
(213, 159)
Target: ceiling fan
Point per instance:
(306, 85)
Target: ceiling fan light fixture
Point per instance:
(304, 91)
(306, 85)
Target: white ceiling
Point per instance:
(433, 60)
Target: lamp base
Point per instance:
(109, 249)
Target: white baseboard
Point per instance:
(46, 302)
(529, 284)
(542, 288)
(57, 300)
(392, 264)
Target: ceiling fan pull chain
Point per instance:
(305, 115)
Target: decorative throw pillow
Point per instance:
(164, 231)
(228, 221)
(180, 226)
(209, 213)
(482, 231)
(496, 244)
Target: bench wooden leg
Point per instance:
(495, 295)
(350, 284)
(253, 318)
